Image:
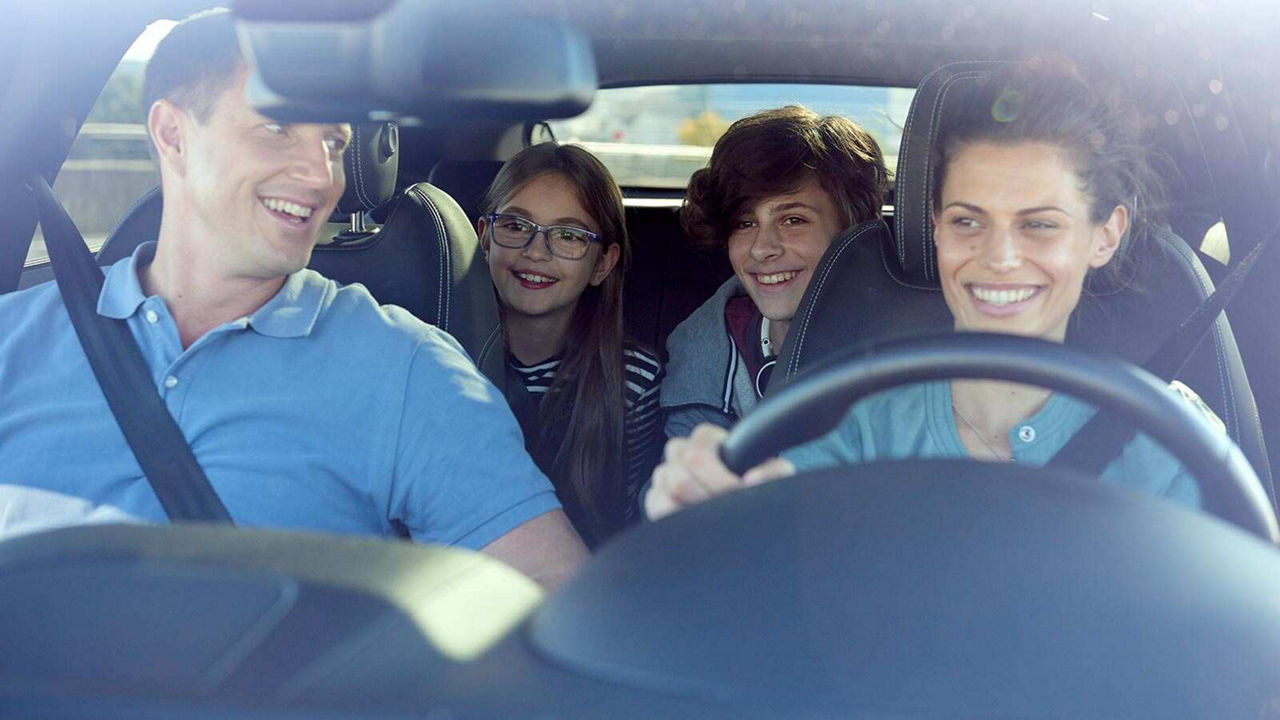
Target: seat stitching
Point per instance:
(442, 303)
(487, 347)
(902, 163)
(925, 191)
(360, 193)
(899, 219)
(822, 280)
(931, 129)
(884, 261)
(1228, 392)
(1228, 395)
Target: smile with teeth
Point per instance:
(775, 278)
(301, 212)
(534, 277)
(1003, 297)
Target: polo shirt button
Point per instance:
(170, 382)
(152, 317)
(1026, 433)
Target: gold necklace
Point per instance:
(994, 453)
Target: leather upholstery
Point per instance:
(371, 164)
(872, 285)
(140, 224)
(426, 258)
(466, 181)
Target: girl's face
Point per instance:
(532, 282)
(1014, 239)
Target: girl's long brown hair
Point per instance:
(589, 384)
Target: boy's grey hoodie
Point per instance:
(707, 381)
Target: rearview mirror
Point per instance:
(410, 60)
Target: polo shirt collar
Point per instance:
(291, 312)
(122, 294)
(295, 308)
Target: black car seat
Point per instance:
(425, 257)
(466, 181)
(873, 284)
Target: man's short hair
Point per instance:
(774, 152)
(194, 64)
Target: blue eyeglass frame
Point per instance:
(491, 218)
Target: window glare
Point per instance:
(142, 48)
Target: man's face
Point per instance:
(775, 245)
(258, 191)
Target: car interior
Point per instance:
(875, 590)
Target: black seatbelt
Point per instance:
(122, 373)
(1105, 434)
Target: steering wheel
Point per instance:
(815, 403)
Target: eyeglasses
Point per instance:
(563, 241)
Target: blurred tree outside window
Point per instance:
(703, 130)
(109, 166)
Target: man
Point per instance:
(308, 405)
(780, 186)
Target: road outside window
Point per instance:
(109, 166)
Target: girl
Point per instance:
(555, 239)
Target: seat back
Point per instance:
(873, 284)
(425, 257)
(466, 181)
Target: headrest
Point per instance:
(466, 181)
(913, 206)
(371, 164)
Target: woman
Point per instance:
(1040, 191)
(555, 239)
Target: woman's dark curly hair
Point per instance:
(773, 153)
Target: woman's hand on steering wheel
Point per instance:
(691, 472)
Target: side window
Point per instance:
(109, 166)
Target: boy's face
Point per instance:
(775, 244)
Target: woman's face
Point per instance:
(532, 282)
(1014, 239)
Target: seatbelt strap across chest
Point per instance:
(123, 374)
(1102, 438)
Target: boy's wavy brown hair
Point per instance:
(775, 152)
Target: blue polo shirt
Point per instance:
(321, 411)
(916, 421)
